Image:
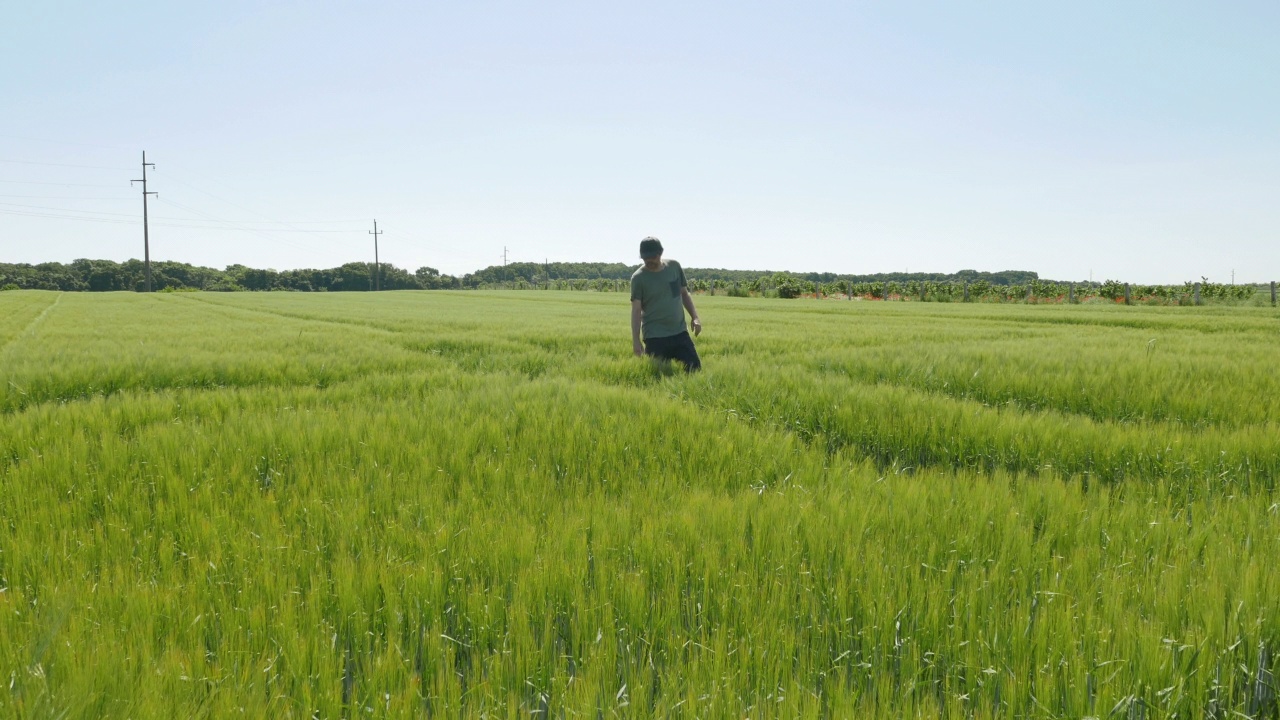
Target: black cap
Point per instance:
(650, 247)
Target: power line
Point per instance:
(146, 239)
(234, 226)
(63, 142)
(181, 219)
(58, 197)
(87, 216)
(209, 222)
(377, 277)
(23, 213)
(59, 209)
(292, 222)
(60, 184)
(247, 229)
(88, 167)
(169, 176)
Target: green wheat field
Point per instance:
(479, 504)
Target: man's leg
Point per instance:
(663, 348)
(656, 348)
(685, 352)
(677, 347)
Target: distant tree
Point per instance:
(394, 278)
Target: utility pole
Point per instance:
(504, 255)
(146, 239)
(377, 266)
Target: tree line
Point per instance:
(86, 275)
(107, 275)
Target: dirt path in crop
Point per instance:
(372, 327)
(31, 326)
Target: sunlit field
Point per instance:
(479, 504)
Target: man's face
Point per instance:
(653, 263)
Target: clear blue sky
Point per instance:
(1130, 140)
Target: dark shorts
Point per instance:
(675, 347)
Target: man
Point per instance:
(659, 297)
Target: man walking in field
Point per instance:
(659, 297)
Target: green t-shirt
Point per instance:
(659, 296)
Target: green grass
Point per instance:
(479, 504)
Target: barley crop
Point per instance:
(479, 504)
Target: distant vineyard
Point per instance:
(1034, 291)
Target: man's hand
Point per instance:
(697, 327)
(637, 347)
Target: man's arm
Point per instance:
(687, 299)
(637, 312)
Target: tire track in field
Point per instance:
(403, 339)
(1032, 405)
(1109, 450)
(1141, 322)
(227, 310)
(291, 316)
(153, 390)
(400, 338)
(31, 326)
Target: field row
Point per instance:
(1111, 395)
